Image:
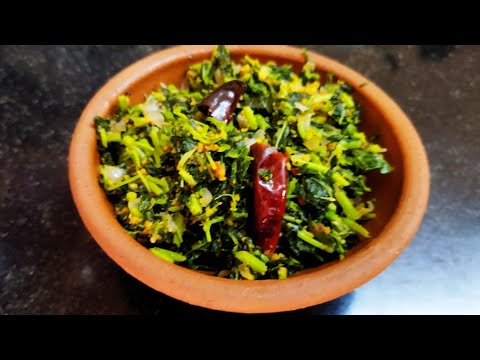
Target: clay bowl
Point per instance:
(402, 195)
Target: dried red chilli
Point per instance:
(223, 100)
(270, 193)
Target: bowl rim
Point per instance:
(263, 296)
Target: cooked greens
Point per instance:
(181, 184)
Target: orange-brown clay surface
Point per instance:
(402, 195)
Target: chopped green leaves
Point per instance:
(180, 180)
(170, 256)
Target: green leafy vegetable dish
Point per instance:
(250, 172)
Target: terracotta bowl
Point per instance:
(402, 195)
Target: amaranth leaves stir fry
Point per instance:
(252, 172)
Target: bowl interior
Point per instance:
(386, 188)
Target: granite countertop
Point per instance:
(49, 264)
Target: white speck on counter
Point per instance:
(87, 274)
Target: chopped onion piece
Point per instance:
(301, 107)
(113, 173)
(249, 142)
(118, 126)
(153, 112)
(259, 134)
(206, 197)
(169, 221)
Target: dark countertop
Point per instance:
(49, 264)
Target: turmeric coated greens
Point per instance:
(181, 179)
